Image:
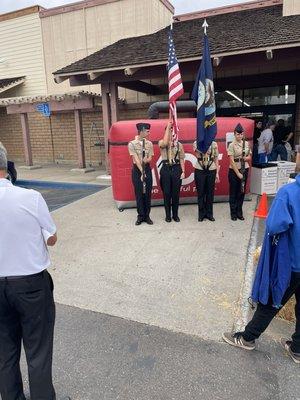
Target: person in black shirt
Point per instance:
(257, 131)
(282, 135)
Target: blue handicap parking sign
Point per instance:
(44, 108)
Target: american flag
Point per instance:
(175, 85)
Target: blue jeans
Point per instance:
(279, 150)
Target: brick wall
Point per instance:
(56, 142)
(11, 135)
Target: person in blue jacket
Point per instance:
(284, 216)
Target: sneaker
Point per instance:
(237, 340)
(138, 222)
(176, 219)
(286, 344)
(168, 219)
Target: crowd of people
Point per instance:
(271, 142)
(172, 172)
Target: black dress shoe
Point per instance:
(211, 219)
(200, 219)
(168, 219)
(138, 222)
(234, 218)
(241, 218)
(176, 219)
(149, 221)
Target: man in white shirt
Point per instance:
(265, 144)
(27, 309)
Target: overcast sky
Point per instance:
(181, 6)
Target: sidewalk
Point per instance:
(62, 173)
(185, 277)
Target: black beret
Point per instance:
(142, 125)
(239, 128)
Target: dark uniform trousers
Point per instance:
(265, 313)
(205, 184)
(27, 312)
(143, 200)
(170, 183)
(236, 197)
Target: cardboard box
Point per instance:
(285, 168)
(264, 179)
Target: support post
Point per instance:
(106, 112)
(79, 139)
(26, 140)
(114, 102)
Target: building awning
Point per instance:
(49, 98)
(9, 83)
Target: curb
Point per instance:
(58, 185)
(243, 306)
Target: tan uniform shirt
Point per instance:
(135, 147)
(167, 152)
(235, 149)
(212, 151)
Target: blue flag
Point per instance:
(204, 96)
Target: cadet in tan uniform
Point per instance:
(206, 174)
(171, 173)
(237, 180)
(141, 151)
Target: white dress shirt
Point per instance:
(25, 223)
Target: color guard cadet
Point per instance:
(171, 173)
(206, 174)
(239, 154)
(141, 151)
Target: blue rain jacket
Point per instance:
(281, 246)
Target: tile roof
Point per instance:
(46, 98)
(8, 83)
(231, 32)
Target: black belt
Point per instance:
(15, 278)
(166, 162)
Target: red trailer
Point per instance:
(123, 132)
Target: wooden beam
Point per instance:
(60, 79)
(94, 75)
(142, 87)
(79, 139)
(26, 140)
(64, 105)
(130, 71)
(114, 102)
(106, 111)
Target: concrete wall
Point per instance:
(291, 7)
(22, 52)
(76, 32)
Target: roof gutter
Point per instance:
(181, 60)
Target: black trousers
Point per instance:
(205, 184)
(27, 312)
(170, 183)
(143, 200)
(236, 197)
(265, 313)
